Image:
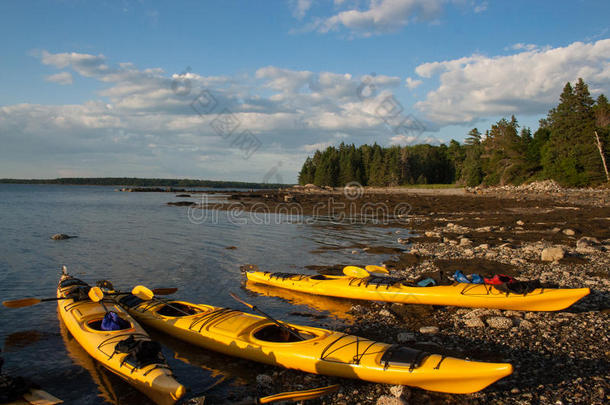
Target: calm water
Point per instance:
(134, 238)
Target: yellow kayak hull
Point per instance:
(81, 319)
(457, 294)
(240, 334)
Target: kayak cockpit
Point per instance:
(96, 325)
(177, 309)
(273, 333)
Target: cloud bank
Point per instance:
(528, 82)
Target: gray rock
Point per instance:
(588, 245)
(61, 236)
(404, 337)
(264, 380)
(525, 324)
(465, 242)
(399, 391)
(390, 400)
(569, 232)
(552, 254)
(500, 322)
(468, 252)
(517, 261)
(474, 323)
(429, 329)
(385, 312)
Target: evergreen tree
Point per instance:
(307, 173)
(456, 154)
(472, 170)
(570, 156)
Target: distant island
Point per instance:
(138, 182)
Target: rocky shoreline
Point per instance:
(560, 237)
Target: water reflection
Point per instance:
(336, 307)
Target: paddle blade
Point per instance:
(164, 291)
(371, 268)
(299, 395)
(96, 294)
(355, 271)
(143, 293)
(23, 302)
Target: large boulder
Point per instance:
(588, 245)
(552, 254)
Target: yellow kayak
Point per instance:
(318, 351)
(83, 317)
(392, 290)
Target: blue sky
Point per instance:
(108, 88)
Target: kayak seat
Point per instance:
(318, 277)
(130, 301)
(70, 282)
(176, 309)
(397, 355)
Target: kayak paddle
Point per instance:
(147, 294)
(96, 294)
(292, 395)
(355, 272)
(28, 302)
(299, 395)
(278, 323)
(371, 268)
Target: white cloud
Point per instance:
(527, 83)
(141, 120)
(480, 7)
(316, 146)
(381, 16)
(300, 7)
(411, 83)
(62, 78)
(521, 46)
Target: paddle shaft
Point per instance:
(260, 311)
(291, 396)
(26, 302)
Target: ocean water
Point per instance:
(135, 238)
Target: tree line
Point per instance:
(570, 146)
